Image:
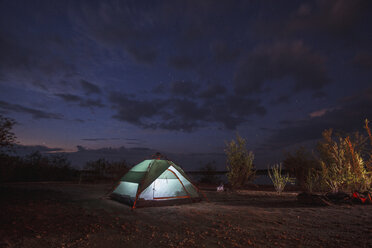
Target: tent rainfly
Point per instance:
(153, 182)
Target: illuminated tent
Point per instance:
(153, 182)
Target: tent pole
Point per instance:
(138, 190)
(197, 188)
(180, 182)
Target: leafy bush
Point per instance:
(277, 178)
(239, 162)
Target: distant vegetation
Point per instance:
(36, 167)
(103, 170)
(51, 167)
(239, 163)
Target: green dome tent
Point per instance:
(153, 182)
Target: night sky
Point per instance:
(184, 76)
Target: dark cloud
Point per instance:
(100, 139)
(331, 18)
(35, 57)
(69, 97)
(223, 53)
(14, 56)
(160, 88)
(40, 85)
(132, 143)
(35, 113)
(213, 90)
(365, 95)
(184, 114)
(142, 55)
(80, 100)
(119, 26)
(347, 117)
(363, 60)
(181, 62)
(90, 88)
(280, 100)
(91, 103)
(132, 110)
(337, 17)
(22, 150)
(79, 120)
(319, 94)
(281, 61)
(183, 88)
(177, 88)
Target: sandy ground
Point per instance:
(72, 215)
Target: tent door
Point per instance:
(169, 186)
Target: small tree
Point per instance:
(239, 162)
(277, 178)
(209, 170)
(302, 165)
(7, 137)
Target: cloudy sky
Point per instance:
(184, 76)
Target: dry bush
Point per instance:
(277, 178)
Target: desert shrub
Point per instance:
(342, 167)
(239, 162)
(313, 181)
(302, 165)
(279, 180)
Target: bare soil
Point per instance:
(73, 215)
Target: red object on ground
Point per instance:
(365, 198)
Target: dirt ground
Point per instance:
(72, 215)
